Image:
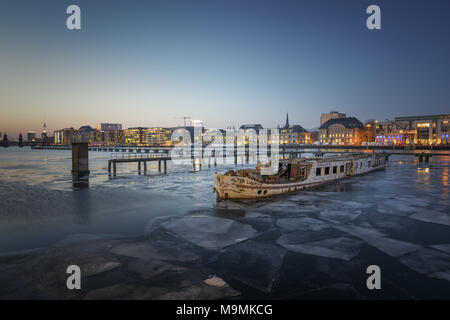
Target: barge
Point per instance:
(295, 175)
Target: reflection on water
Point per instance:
(82, 209)
(41, 204)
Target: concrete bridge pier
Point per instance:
(423, 157)
(80, 165)
(80, 159)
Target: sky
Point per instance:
(226, 62)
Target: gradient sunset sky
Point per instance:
(228, 62)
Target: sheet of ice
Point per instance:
(422, 201)
(156, 250)
(428, 261)
(151, 268)
(442, 247)
(350, 204)
(257, 215)
(209, 232)
(343, 248)
(340, 291)
(81, 237)
(392, 247)
(302, 223)
(340, 216)
(397, 207)
(200, 291)
(253, 263)
(432, 216)
(215, 281)
(187, 285)
(303, 197)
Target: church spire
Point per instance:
(287, 120)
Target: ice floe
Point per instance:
(253, 263)
(432, 216)
(209, 232)
(442, 247)
(156, 250)
(302, 223)
(397, 207)
(392, 247)
(215, 282)
(430, 262)
(183, 286)
(340, 216)
(343, 248)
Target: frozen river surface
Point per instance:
(166, 237)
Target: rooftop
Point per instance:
(349, 123)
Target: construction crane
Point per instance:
(184, 118)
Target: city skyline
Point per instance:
(227, 63)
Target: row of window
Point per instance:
(327, 170)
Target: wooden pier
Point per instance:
(141, 161)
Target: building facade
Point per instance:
(109, 126)
(63, 137)
(136, 136)
(342, 131)
(112, 137)
(426, 130)
(249, 132)
(31, 136)
(331, 115)
(391, 133)
(159, 137)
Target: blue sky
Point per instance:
(225, 62)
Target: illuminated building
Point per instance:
(426, 130)
(159, 137)
(110, 137)
(391, 133)
(64, 136)
(109, 127)
(294, 134)
(342, 131)
(230, 136)
(136, 136)
(109, 134)
(44, 137)
(89, 134)
(249, 131)
(31, 136)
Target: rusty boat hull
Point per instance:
(299, 174)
